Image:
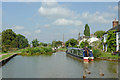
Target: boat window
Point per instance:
(69, 51)
(72, 51)
(75, 52)
(80, 52)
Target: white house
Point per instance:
(116, 26)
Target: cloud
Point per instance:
(115, 8)
(18, 27)
(65, 16)
(27, 33)
(65, 22)
(54, 10)
(46, 25)
(39, 25)
(38, 31)
(97, 17)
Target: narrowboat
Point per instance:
(80, 53)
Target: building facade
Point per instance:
(116, 26)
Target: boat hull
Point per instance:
(85, 59)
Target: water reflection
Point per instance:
(57, 65)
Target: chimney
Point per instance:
(115, 23)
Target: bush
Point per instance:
(90, 47)
(37, 51)
(96, 52)
(83, 44)
(75, 46)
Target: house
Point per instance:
(90, 39)
(116, 26)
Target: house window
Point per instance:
(119, 40)
(105, 38)
(119, 36)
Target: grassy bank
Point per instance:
(101, 54)
(5, 56)
(28, 52)
(36, 51)
(61, 49)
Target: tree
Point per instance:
(8, 38)
(99, 34)
(22, 42)
(56, 43)
(59, 43)
(12, 40)
(87, 30)
(83, 44)
(71, 42)
(111, 41)
(35, 43)
(43, 44)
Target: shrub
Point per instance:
(83, 44)
(96, 52)
(90, 47)
(75, 46)
(37, 51)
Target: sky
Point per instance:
(48, 21)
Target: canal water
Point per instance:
(57, 65)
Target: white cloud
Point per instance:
(46, 25)
(38, 31)
(52, 9)
(98, 17)
(115, 8)
(64, 22)
(18, 27)
(27, 33)
(65, 16)
(39, 25)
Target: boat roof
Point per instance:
(74, 48)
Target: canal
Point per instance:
(57, 65)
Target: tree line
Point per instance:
(11, 40)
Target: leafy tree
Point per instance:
(35, 43)
(8, 38)
(59, 43)
(12, 40)
(111, 41)
(43, 44)
(22, 42)
(87, 30)
(71, 42)
(99, 34)
(83, 44)
(56, 43)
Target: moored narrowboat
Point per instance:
(80, 53)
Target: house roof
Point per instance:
(92, 39)
(117, 28)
